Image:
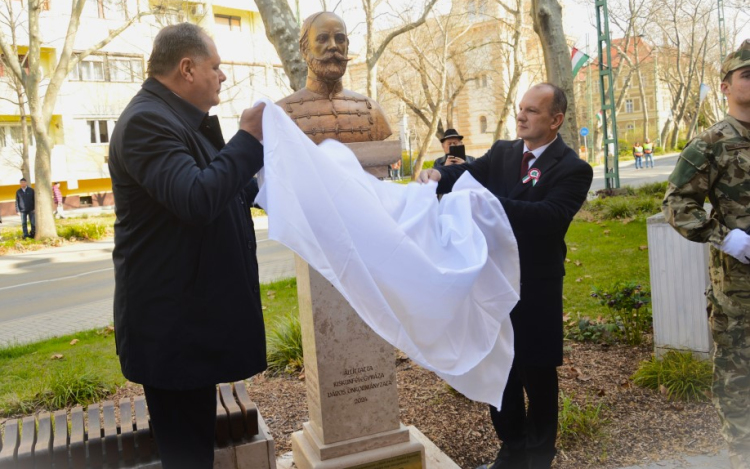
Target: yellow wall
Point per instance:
(85, 187)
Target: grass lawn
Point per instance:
(34, 376)
(601, 253)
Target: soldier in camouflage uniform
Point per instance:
(716, 164)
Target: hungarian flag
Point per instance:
(577, 60)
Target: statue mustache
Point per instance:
(332, 57)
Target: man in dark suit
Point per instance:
(26, 206)
(451, 138)
(187, 303)
(541, 184)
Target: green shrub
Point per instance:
(653, 189)
(618, 207)
(630, 302)
(580, 422)
(647, 205)
(584, 329)
(72, 386)
(682, 376)
(285, 345)
(428, 164)
(87, 230)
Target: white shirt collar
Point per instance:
(538, 151)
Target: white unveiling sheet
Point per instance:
(435, 279)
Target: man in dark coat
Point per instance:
(26, 206)
(187, 304)
(541, 184)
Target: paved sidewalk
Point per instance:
(717, 461)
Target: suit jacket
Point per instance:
(187, 299)
(539, 215)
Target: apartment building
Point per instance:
(100, 86)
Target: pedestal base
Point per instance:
(407, 454)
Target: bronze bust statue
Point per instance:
(323, 108)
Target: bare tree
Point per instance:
(13, 21)
(427, 71)
(374, 52)
(42, 94)
(282, 31)
(547, 16)
(516, 68)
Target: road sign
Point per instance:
(584, 131)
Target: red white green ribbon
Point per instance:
(533, 175)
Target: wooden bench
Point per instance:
(92, 438)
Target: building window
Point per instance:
(99, 130)
(483, 124)
(630, 127)
(628, 105)
(108, 68)
(12, 135)
(230, 23)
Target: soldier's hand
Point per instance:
(251, 121)
(427, 175)
(737, 245)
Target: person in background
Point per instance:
(648, 153)
(716, 165)
(57, 200)
(451, 138)
(25, 206)
(638, 155)
(541, 183)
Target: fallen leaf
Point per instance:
(663, 390)
(601, 393)
(578, 263)
(573, 249)
(270, 293)
(74, 341)
(579, 280)
(643, 248)
(566, 316)
(57, 356)
(265, 307)
(567, 260)
(677, 406)
(606, 232)
(583, 378)
(587, 276)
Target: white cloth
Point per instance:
(436, 280)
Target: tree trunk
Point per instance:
(282, 31)
(547, 16)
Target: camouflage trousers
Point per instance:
(730, 326)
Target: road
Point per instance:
(61, 289)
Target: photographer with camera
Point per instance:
(455, 152)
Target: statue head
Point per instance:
(324, 45)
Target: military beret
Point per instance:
(737, 59)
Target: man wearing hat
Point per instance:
(451, 138)
(716, 164)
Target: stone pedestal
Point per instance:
(352, 398)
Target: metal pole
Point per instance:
(592, 158)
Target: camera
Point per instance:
(459, 151)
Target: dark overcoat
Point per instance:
(539, 215)
(187, 303)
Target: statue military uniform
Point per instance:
(716, 164)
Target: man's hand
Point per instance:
(737, 245)
(451, 160)
(251, 121)
(427, 175)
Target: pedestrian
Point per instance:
(57, 200)
(638, 154)
(26, 207)
(451, 138)
(541, 183)
(716, 165)
(648, 152)
(187, 305)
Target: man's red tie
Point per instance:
(527, 156)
